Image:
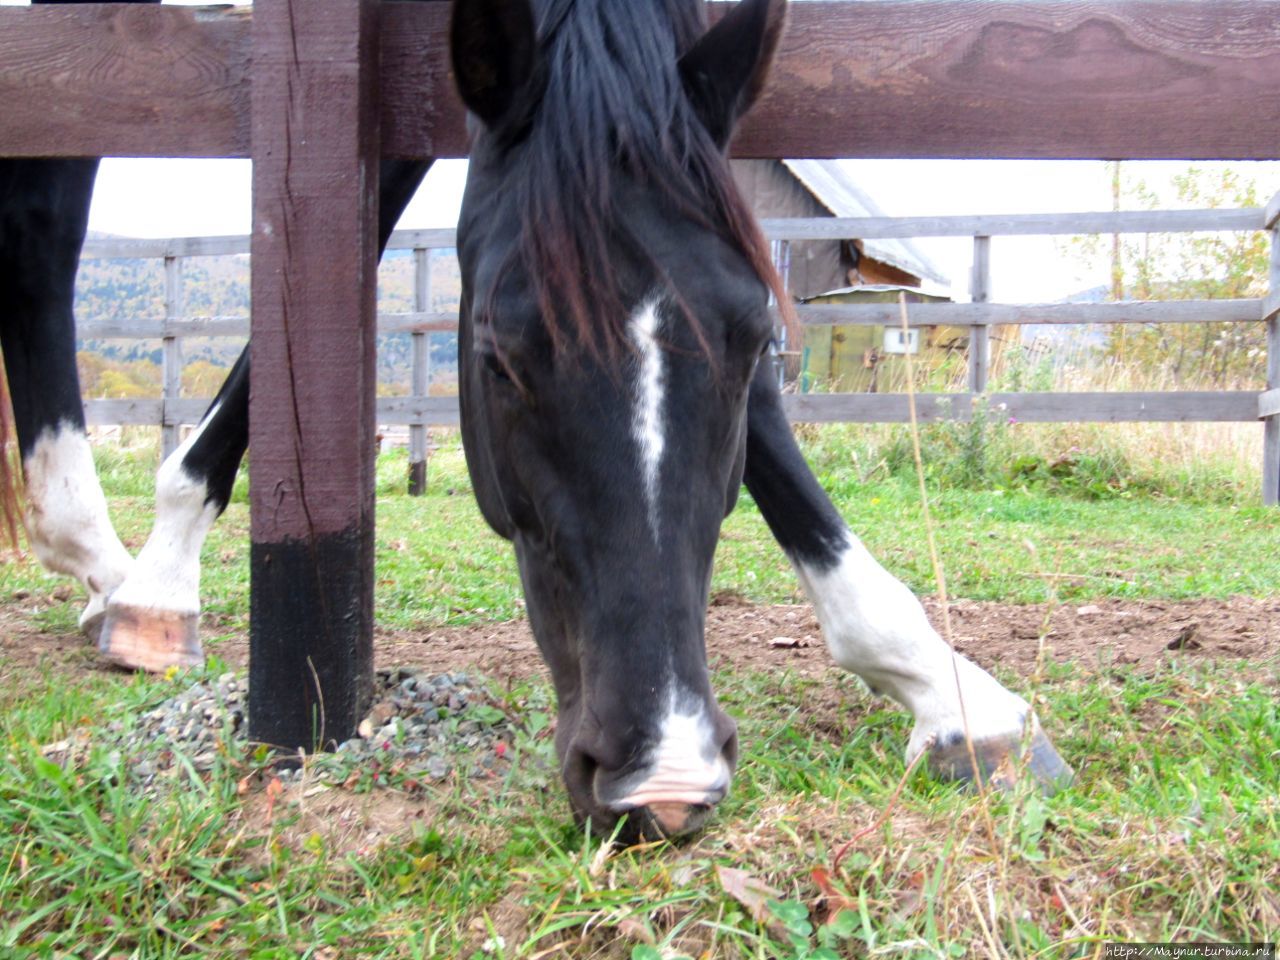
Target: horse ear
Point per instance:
(494, 51)
(725, 70)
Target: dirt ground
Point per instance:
(769, 638)
(742, 635)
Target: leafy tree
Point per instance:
(200, 378)
(1199, 266)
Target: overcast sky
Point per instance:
(161, 198)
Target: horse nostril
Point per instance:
(663, 820)
(673, 818)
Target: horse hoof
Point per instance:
(135, 638)
(91, 624)
(1002, 762)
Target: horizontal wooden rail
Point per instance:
(150, 411)
(793, 228)
(1014, 225)
(142, 248)
(963, 314)
(1127, 79)
(138, 328)
(1269, 404)
(1149, 407)
(818, 315)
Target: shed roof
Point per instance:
(835, 190)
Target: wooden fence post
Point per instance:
(980, 333)
(1271, 314)
(420, 380)
(171, 356)
(315, 139)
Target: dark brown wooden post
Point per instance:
(315, 140)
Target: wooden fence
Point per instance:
(418, 410)
(315, 99)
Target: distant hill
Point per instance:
(119, 290)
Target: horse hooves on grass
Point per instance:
(151, 640)
(1002, 762)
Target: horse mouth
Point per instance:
(664, 820)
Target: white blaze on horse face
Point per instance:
(167, 574)
(686, 766)
(648, 426)
(67, 520)
(875, 627)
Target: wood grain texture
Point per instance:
(311, 404)
(1071, 78)
(315, 268)
(119, 79)
(1179, 79)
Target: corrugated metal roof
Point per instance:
(834, 189)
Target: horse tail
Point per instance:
(10, 471)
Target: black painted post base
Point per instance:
(310, 675)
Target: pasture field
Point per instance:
(1070, 585)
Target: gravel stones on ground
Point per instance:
(425, 728)
(419, 729)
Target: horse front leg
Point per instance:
(152, 619)
(875, 627)
(44, 210)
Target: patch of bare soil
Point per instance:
(342, 821)
(744, 636)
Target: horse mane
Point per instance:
(614, 104)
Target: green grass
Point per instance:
(437, 562)
(1170, 832)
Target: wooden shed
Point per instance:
(853, 270)
(822, 188)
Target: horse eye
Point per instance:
(495, 367)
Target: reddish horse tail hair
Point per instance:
(10, 472)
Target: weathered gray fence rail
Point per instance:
(419, 410)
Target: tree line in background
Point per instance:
(121, 290)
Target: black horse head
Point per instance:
(615, 306)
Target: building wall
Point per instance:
(816, 266)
